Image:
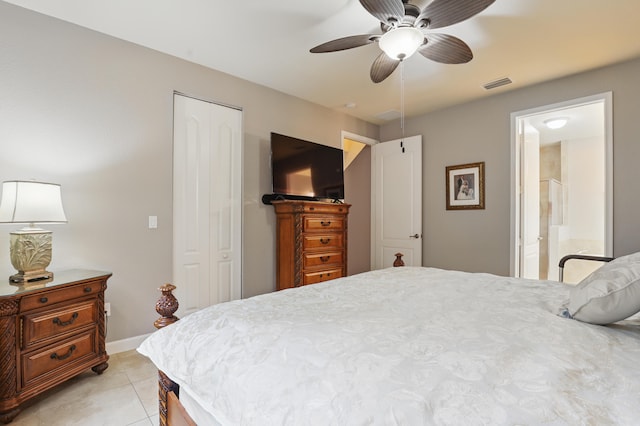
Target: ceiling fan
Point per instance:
(402, 25)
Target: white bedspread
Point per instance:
(405, 346)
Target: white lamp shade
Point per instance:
(31, 202)
(402, 42)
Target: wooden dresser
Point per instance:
(311, 242)
(49, 332)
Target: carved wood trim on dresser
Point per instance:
(50, 331)
(311, 242)
(8, 380)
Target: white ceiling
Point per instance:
(268, 42)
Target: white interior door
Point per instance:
(207, 238)
(531, 204)
(396, 202)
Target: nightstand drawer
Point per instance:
(51, 323)
(330, 241)
(51, 331)
(318, 277)
(58, 356)
(323, 259)
(320, 223)
(62, 295)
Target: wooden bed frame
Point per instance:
(172, 412)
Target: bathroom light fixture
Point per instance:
(30, 247)
(556, 123)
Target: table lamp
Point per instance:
(30, 247)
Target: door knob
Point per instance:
(416, 236)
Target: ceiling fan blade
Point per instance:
(382, 67)
(386, 11)
(345, 43)
(441, 13)
(446, 49)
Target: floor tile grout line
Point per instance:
(149, 415)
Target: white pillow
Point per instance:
(610, 294)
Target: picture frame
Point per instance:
(465, 186)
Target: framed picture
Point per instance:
(465, 186)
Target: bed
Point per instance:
(409, 346)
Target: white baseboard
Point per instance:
(125, 344)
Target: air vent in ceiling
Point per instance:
(497, 83)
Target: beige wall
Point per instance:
(478, 240)
(94, 114)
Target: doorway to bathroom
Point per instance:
(562, 194)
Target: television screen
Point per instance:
(306, 169)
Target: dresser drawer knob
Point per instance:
(327, 223)
(88, 289)
(56, 320)
(65, 356)
(325, 258)
(325, 241)
(44, 300)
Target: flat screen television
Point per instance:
(306, 170)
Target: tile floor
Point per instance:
(125, 394)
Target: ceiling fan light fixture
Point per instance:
(402, 42)
(556, 123)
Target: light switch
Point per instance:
(153, 222)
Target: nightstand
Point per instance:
(49, 332)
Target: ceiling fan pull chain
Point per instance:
(402, 98)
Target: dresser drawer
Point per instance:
(318, 277)
(326, 241)
(320, 223)
(57, 356)
(62, 295)
(55, 322)
(331, 209)
(324, 259)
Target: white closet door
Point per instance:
(207, 179)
